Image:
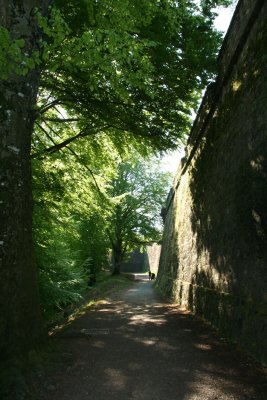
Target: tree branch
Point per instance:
(46, 107)
(63, 144)
(88, 169)
(64, 120)
(46, 133)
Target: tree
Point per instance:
(137, 194)
(20, 324)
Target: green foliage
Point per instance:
(83, 196)
(116, 76)
(60, 285)
(62, 281)
(13, 56)
(136, 197)
(131, 69)
(94, 243)
(70, 216)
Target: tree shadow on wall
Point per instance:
(229, 213)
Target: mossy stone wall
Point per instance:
(214, 250)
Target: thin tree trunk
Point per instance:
(20, 322)
(118, 256)
(116, 265)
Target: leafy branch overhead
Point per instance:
(131, 69)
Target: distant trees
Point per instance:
(137, 194)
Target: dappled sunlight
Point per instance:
(236, 85)
(202, 346)
(115, 379)
(166, 346)
(106, 310)
(203, 382)
(148, 342)
(99, 344)
(149, 347)
(146, 319)
(160, 346)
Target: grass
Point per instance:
(95, 295)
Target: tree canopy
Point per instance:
(132, 70)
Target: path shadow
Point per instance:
(144, 348)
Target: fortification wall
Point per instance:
(214, 250)
(153, 254)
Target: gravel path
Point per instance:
(138, 347)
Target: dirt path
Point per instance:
(138, 347)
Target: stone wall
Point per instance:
(142, 261)
(136, 261)
(214, 250)
(153, 254)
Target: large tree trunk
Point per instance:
(20, 322)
